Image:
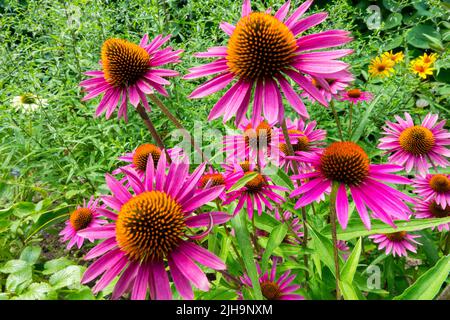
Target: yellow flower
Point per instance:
(394, 57)
(421, 69)
(381, 67)
(428, 59)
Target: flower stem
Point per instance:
(149, 124)
(350, 114)
(304, 218)
(336, 118)
(177, 124)
(334, 236)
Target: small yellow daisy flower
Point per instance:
(421, 69)
(428, 59)
(394, 57)
(381, 67)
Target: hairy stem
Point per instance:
(295, 168)
(334, 236)
(149, 124)
(177, 124)
(336, 118)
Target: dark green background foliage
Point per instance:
(51, 159)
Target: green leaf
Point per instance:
(416, 35)
(36, 291)
(356, 228)
(239, 224)
(266, 222)
(349, 269)
(14, 266)
(324, 248)
(83, 294)
(365, 119)
(392, 21)
(19, 280)
(275, 239)
(30, 254)
(280, 178)
(68, 277)
(349, 292)
(427, 286)
(243, 181)
(55, 265)
(49, 218)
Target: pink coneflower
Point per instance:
(251, 142)
(346, 164)
(129, 72)
(263, 53)
(304, 138)
(434, 186)
(343, 247)
(152, 225)
(415, 146)
(273, 288)
(295, 226)
(260, 142)
(214, 178)
(430, 209)
(397, 243)
(331, 86)
(355, 96)
(138, 158)
(86, 216)
(257, 192)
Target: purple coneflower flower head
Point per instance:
(129, 72)
(356, 95)
(85, 216)
(263, 53)
(273, 288)
(397, 243)
(331, 86)
(431, 209)
(343, 247)
(304, 138)
(138, 158)
(434, 186)
(294, 225)
(416, 146)
(152, 233)
(214, 178)
(347, 165)
(258, 192)
(251, 142)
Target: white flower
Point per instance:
(28, 102)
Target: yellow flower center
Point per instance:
(123, 62)
(141, 154)
(149, 226)
(260, 47)
(345, 162)
(417, 140)
(80, 218)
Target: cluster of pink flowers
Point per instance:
(150, 222)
